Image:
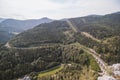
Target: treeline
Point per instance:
(42, 34)
(100, 27)
(74, 61)
(109, 48)
(5, 36)
(17, 63)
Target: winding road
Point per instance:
(9, 47)
(101, 63)
(72, 26)
(90, 36)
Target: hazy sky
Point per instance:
(56, 9)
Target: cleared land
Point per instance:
(50, 71)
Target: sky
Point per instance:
(56, 9)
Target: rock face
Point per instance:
(116, 70)
(105, 77)
(115, 73)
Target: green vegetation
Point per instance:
(5, 36)
(50, 71)
(61, 45)
(88, 74)
(42, 34)
(74, 59)
(18, 62)
(101, 27)
(93, 64)
(15, 63)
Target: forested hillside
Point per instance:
(101, 27)
(42, 34)
(10, 26)
(18, 62)
(51, 49)
(13, 25)
(5, 36)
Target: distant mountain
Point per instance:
(77, 43)
(10, 26)
(105, 29)
(1, 19)
(43, 33)
(4, 36)
(99, 26)
(13, 25)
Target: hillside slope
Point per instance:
(99, 27)
(44, 33)
(13, 25)
(5, 36)
(10, 26)
(62, 43)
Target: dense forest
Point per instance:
(5, 36)
(55, 46)
(18, 62)
(105, 28)
(46, 33)
(15, 63)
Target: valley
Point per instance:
(80, 48)
(11, 27)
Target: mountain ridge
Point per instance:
(84, 45)
(10, 26)
(21, 25)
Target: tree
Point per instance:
(87, 74)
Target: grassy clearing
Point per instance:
(50, 71)
(80, 46)
(94, 65)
